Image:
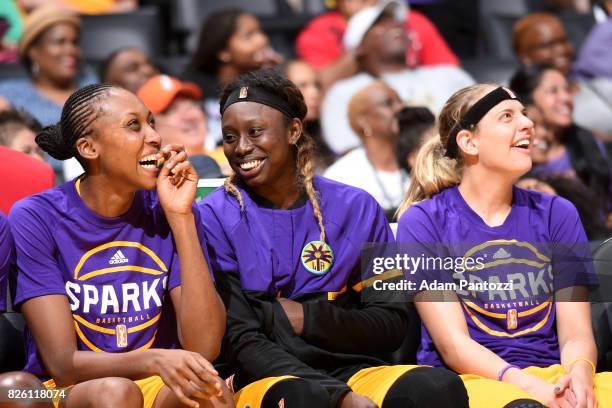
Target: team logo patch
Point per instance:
(317, 257)
(244, 92)
(121, 331)
(512, 319)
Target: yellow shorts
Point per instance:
(149, 387)
(373, 382)
(485, 393)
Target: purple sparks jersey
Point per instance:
(506, 294)
(115, 272)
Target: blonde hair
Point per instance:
(433, 171)
(304, 163)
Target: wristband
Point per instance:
(503, 371)
(586, 360)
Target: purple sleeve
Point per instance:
(38, 272)
(571, 256)
(174, 278)
(220, 251)
(7, 253)
(417, 239)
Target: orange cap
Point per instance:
(159, 92)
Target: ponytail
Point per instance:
(50, 140)
(433, 170)
(432, 173)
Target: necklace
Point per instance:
(388, 200)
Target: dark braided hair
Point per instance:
(275, 83)
(79, 112)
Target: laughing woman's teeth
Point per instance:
(250, 165)
(522, 143)
(148, 162)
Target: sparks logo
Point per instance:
(317, 257)
(130, 300)
(118, 258)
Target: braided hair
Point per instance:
(275, 83)
(78, 114)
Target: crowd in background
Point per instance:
(374, 77)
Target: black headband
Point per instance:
(259, 95)
(474, 114)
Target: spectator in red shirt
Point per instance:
(21, 176)
(320, 43)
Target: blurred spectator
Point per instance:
(540, 38)
(373, 167)
(11, 14)
(11, 25)
(543, 136)
(320, 43)
(573, 151)
(49, 49)
(231, 43)
(593, 73)
(561, 6)
(595, 56)
(305, 78)
(127, 67)
(4, 104)
(457, 20)
(180, 119)
(17, 132)
(378, 36)
(21, 176)
(416, 126)
(585, 200)
(83, 6)
(533, 183)
(602, 10)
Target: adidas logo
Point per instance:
(501, 254)
(118, 258)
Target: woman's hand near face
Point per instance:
(177, 181)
